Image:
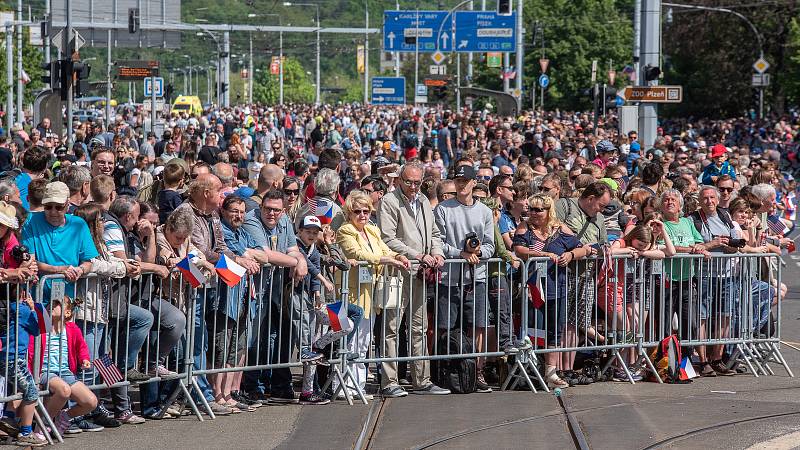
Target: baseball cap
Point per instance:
(465, 171)
(605, 146)
(311, 222)
(718, 150)
(635, 147)
(55, 192)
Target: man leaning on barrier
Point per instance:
(467, 230)
(405, 219)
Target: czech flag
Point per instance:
(43, 317)
(337, 314)
(191, 273)
(687, 371)
(322, 208)
(538, 337)
(229, 271)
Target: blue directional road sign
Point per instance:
(148, 87)
(485, 31)
(400, 28)
(388, 91)
(544, 81)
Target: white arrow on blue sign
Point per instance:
(544, 81)
(402, 30)
(388, 91)
(485, 31)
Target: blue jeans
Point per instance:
(200, 348)
(125, 346)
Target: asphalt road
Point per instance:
(739, 412)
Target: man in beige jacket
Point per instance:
(407, 226)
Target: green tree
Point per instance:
(31, 63)
(297, 86)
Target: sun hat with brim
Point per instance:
(8, 215)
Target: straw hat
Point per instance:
(8, 215)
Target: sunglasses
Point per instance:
(725, 189)
(448, 193)
(51, 207)
(291, 191)
(539, 210)
(412, 182)
(361, 212)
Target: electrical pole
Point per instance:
(108, 77)
(416, 53)
(318, 55)
(250, 73)
(67, 45)
(366, 52)
(226, 73)
(637, 40)
(470, 55)
(9, 79)
(20, 113)
(280, 65)
(650, 55)
(397, 54)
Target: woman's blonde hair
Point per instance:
(546, 202)
(355, 199)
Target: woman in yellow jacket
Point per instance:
(361, 241)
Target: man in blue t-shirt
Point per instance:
(61, 242)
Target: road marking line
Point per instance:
(785, 442)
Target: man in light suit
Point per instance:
(407, 226)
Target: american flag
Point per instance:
(108, 370)
(775, 224)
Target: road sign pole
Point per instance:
(68, 55)
(458, 81)
(650, 52)
(280, 65)
(153, 115)
(761, 102)
(20, 113)
(416, 54)
(506, 65)
(9, 77)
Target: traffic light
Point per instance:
(651, 72)
(169, 90)
(51, 75)
(65, 77)
(81, 71)
(133, 20)
(504, 7)
(223, 87)
(611, 97)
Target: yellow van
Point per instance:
(189, 104)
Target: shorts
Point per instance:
(20, 378)
(462, 307)
(68, 378)
(230, 339)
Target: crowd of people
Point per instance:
(316, 202)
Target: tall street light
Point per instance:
(315, 5)
(280, 58)
(217, 63)
(190, 74)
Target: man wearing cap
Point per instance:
(719, 166)
(61, 242)
(467, 231)
(405, 219)
(606, 154)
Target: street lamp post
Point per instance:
(189, 92)
(280, 57)
(315, 5)
(217, 64)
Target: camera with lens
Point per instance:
(737, 243)
(21, 254)
(471, 242)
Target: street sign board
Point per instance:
(761, 65)
(544, 81)
(136, 70)
(544, 63)
(388, 91)
(58, 40)
(422, 90)
(438, 57)
(760, 80)
(494, 59)
(148, 87)
(654, 94)
(481, 31)
(438, 70)
(401, 30)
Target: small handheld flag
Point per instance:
(537, 336)
(687, 371)
(535, 294)
(337, 314)
(776, 225)
(229, 271)
(108, 370)
(43, 317)
(193, 275)
(322, 208)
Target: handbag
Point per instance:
(388, 291)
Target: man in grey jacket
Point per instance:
(467, 230)
(405, 219)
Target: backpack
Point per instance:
(458, 375)
(667, 358)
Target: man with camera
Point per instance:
(467, 230)
(719, 290)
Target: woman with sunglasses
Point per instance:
(291, 192)
(546, 237)
(361, 241)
